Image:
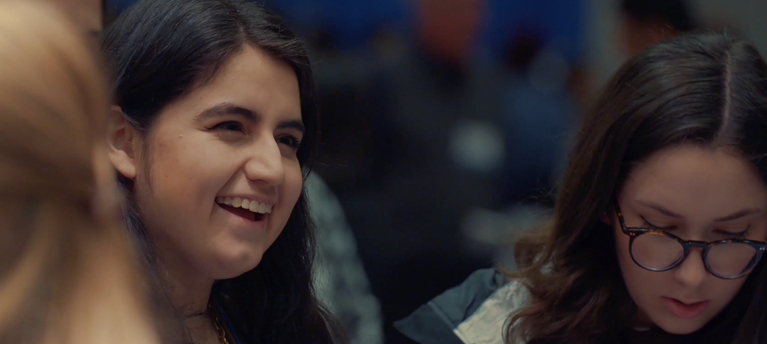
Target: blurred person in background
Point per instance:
(88, 14)
(646, 22)
(340, 278)
(434, 154)
(68, 273)
(212, 132)
(541, 111)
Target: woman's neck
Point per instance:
(188, 291)
(653, 335)
(189, 294)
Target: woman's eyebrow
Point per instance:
(246, 114)
(660, 209)
(734, 216)
(738, 214)
(228, 109)
(294, 124)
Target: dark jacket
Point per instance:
(474, 312)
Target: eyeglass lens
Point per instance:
(656, 251)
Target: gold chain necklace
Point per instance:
(220, 331)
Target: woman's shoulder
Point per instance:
(476, 311)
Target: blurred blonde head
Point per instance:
(67, 273)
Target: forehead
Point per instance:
(255, 75)
(690, 178)
(251, 79)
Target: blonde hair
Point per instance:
(67, 275)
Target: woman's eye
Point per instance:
(661, 228)
(739, 235)
(289, 141)
(229, 126)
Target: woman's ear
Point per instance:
(123, 142)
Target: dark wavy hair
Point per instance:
(708, 90)
(160, 50)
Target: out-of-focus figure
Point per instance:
(646, 22)
(86, 13)
(435, 153)
(340, 278)
(67, 272)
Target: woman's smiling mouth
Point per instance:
(245, 208)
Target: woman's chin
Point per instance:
(231, 266)
(680, 326)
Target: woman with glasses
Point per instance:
(659, 228)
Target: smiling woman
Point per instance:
(203, 148)
(214, 123)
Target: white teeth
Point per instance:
(244, 203)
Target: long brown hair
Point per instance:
(160, 50)
(67, 271)
(709, 90)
